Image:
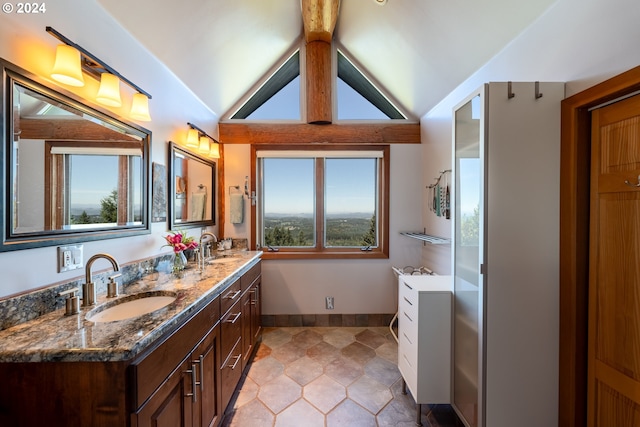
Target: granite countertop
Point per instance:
(55, 337)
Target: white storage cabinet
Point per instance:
(424, 337)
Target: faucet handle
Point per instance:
(71, 301)
(112, 286)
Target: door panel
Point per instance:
(614, 270)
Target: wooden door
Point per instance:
(614, 267)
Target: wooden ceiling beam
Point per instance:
(286, 133)
(82, 130)
(319, 18)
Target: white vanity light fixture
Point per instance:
(380, 2)
(198, 140)
(193, 138)
(140, 107)
(109, 91)
(204, 146)
(214, 152)
(66, 68)
(72, 60)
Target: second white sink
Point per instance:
(128, 308)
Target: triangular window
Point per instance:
(279, 97)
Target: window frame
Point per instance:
(57, 209)
(320, 251)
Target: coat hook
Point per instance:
(510, 93)
(538, 93)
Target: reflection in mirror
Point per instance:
(192, 180)
(74, 174)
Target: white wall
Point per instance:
(24, 42)
(580, 42)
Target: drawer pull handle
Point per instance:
(407, 316)
(410, 303)
(232, 295)
(235, 318)
(407, 338)
(194, 383)
(407, 360)
(238, 357)
(201, 362)
(407, 285)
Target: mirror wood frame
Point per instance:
(175, 148)
(9, 241)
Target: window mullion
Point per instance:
(319, 216)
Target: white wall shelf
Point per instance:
(434, 240)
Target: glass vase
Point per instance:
(179, 262)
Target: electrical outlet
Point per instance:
(329, 303)
(69, 258)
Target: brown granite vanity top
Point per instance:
(54, 337)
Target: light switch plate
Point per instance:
(69, 258)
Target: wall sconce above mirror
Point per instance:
(70, 173)
(72, 60)
(198, 140)
(192, 182)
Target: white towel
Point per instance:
(198, 206)
(236, 210)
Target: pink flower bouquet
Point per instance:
(180, 241)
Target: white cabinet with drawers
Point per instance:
(424, 337)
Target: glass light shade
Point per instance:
(214, 152)
(204, 145)
(140, 108)
(109, 91)
(192, 139)
(66, 68)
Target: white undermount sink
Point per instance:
(131, 306)
(222, 259)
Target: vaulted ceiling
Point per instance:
(417, 51)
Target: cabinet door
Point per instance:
(206, 356)
(171, 404)
(256, 312)
(467, 256)
(247, 337)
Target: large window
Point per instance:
(322, 203)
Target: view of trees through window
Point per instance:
(299, 231)
(349, 195)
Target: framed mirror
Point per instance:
(70, 173)
(192, 183)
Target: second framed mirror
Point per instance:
(192, 189)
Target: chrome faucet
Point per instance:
(201, 252)
(89, 293)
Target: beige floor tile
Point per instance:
(301, 413)
(324, 393)
(304, 370)
(331, 377)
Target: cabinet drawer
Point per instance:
(156, 365)
(407, 294)
(230, 329)
(230, 373)
(408, 349)
(250, 276)
(409, 374)
(230, 296)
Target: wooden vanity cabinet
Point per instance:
(186, 378)
(189, 392)
(213, 368)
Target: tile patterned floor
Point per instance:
(328, 376)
